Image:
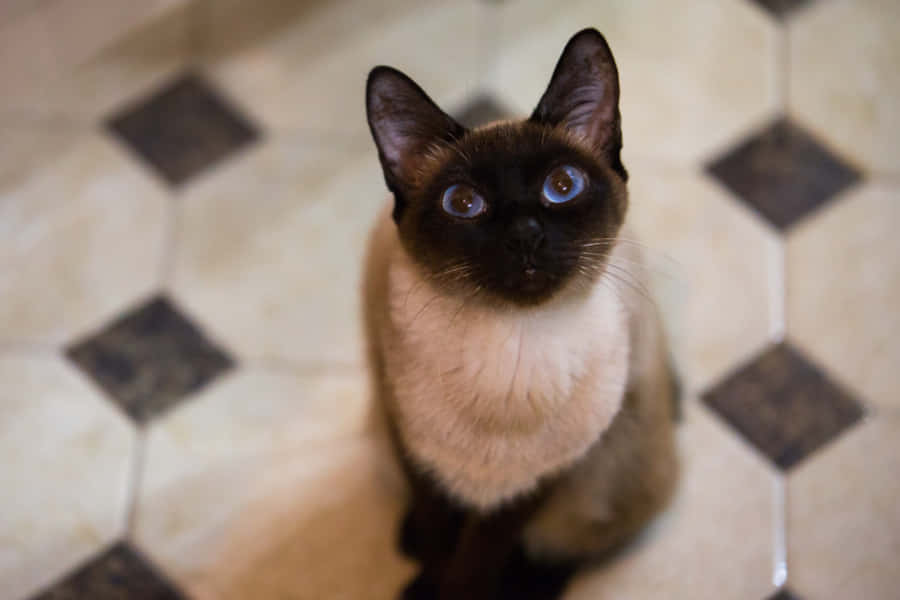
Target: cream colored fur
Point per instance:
(491, 400)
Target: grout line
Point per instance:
(782, 68)
(777, 269)
(779, 555)
(134, 485)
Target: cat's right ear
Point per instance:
(404, 122)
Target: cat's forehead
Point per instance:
(507, 146)
(513, 142)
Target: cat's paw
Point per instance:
(423, 587)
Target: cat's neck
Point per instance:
(527, 389)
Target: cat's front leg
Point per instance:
(430, 529)
(486, 546)
(429, 533)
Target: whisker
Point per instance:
(422, 310)
(455, 268)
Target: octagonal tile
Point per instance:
(67, 458)
(312, 75)
(844, 81)
(29, 145)
(709, 259)
(271, 250)
(100, 82)
(255, 488)
(82, 237)
(844, 517)
(843, 290)
(682, 96)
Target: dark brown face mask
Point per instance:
(515, 210)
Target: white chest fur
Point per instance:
(489, 401)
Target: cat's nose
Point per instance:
(525, 235)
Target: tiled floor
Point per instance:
(182, 400)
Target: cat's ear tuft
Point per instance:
(583, 94)
(404, 122)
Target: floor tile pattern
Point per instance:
(119, 573)
(783, 173)
(150, 358)
(183, 220)
(784, 405)
(183, 129)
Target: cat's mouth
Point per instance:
(528, 278)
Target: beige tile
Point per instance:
(262, 487)
(254, 412)
(81, 28)
(81, 237)
(270, 250)
(311, 74)
(102, 82)
(844, 518)
(844, 80)
(694, 75)
(844, 290)
(29, 145)
(716, 539)
(26, 58)
(65, 472)
(709, 261)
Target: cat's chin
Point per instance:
(528, 287)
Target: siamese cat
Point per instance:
(526, 392)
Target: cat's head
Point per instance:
(512, 211)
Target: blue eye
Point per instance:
(563, 184)
(463, 202)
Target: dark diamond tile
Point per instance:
(183, 129)
(784, 594)
(481, 109)
(120, 573)
(783, 405)
(783, 173)
(781, 8)
(149, 359)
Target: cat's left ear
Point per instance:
(404, 123)
(583, 95)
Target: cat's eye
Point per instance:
(463, 202)
(563, 184)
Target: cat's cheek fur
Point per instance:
(492, 401)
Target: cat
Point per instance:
(526, 393)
